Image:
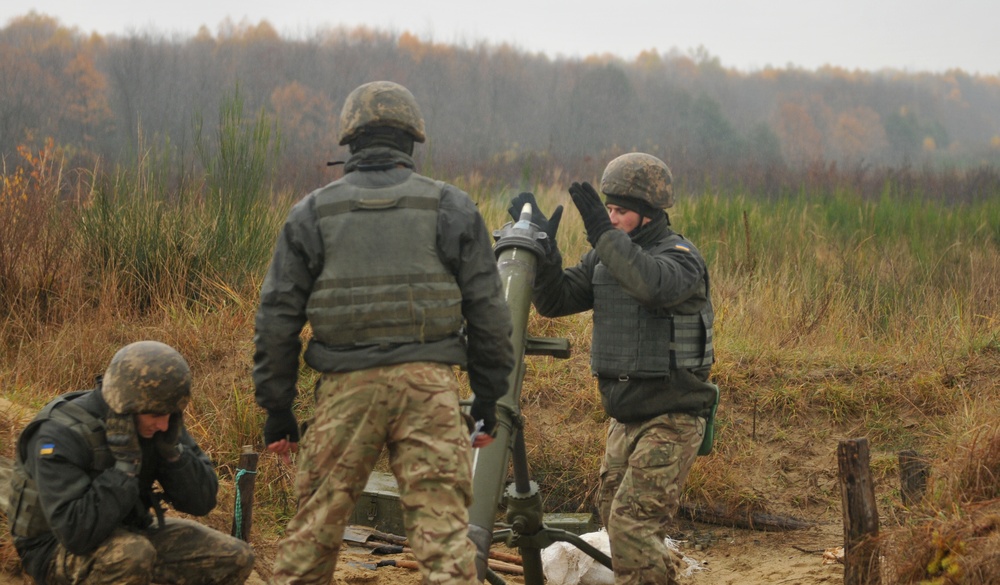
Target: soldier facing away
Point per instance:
(82, 487)
(651, 353)
(395, 273)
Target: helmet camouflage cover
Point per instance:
(147, 377)
(380, 103)
(641, 176)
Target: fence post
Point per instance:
(913, 471)
(857, 490)
(246, 475)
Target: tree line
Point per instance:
(497, 111)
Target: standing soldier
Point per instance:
(651, 352)
(83, 484)
(395, 273)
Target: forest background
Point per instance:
(493, 110)
(851, 221)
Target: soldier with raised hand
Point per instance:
(83, 483)
(652, 353)
(395, 273)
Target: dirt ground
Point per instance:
(733, 557)
(723, 555)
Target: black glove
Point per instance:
(486, 411)
(593, 212)
(168, 442)
(547, 225)
(123, 442)
(281, 424)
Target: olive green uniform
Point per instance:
(658, 410)
(395, 389)
(89, 522)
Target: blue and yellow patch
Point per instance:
(680, 247)
(47, 449)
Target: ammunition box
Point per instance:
(379, 505)
(379, 508)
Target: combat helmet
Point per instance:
(147, 377)
(639, 176)
(380, 103)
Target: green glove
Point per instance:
(168, 442)
(123, 442)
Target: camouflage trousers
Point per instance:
(183, 552)
(645, 466)
(413, 410)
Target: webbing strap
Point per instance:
(349, 205)
(691, 346)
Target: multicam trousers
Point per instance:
(645, 466)
(182, 552)
(413, 410)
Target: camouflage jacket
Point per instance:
(464, 247)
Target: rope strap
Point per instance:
(238, 512)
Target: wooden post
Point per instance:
(857, 491)
(246, 475)
(913, 471)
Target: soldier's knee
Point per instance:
(244, 563)
(129, 559)
(241, 561)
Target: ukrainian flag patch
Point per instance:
(680, 247)
(47, 449)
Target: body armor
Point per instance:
(383, 282)
(633, 341)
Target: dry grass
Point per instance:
(952, 535)
(822, 333)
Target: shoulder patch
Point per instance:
(47, 449)
(682, 247)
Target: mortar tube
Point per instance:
(517, 250)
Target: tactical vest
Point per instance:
(383, 282)
(631, 341)
(25, 515)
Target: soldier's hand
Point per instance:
(123, 442)
(168, 442)
(281, 433)
(283, 449)
(486, 411)
(594, 213)
(281, 424)
(547, 225)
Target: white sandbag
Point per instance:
(564, 564)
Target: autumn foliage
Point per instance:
(495, 110)
(850, 221)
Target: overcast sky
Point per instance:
(910, 35)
